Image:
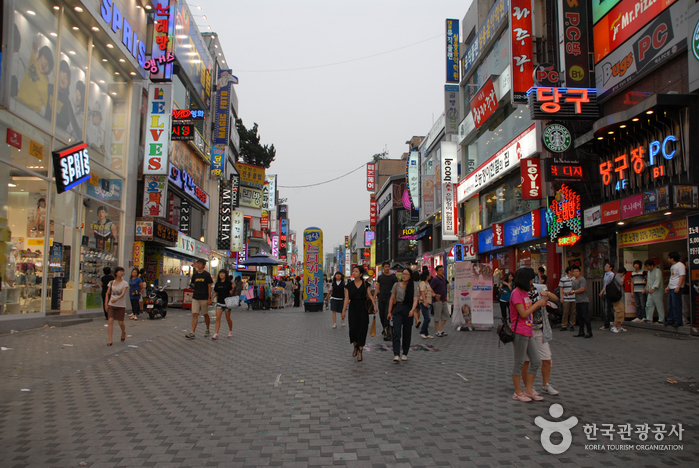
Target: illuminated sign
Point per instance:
(218, 161)
(119, 22)
(71, 166)
(237, 231)
(615, 172)
(183, 180)
(575, 43)
(372, 210)
(162, 58)
(556, 138)
(452, 47)
(235, 190)
(224, 215)
(182, 132)
(409, 233)
(222, 116)
(611, 211)
(484, 103)
(568, 240)
(563, 103)
(157, 122)
(563, 212)
(564, 172)
(187, 114)
(313, 268)
(412, 180)
(368, 237)
(530, 170)
(449, 204)
(371, 177)
(522, 46)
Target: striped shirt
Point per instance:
(639, 280)
(566, 285)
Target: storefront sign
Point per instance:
(185, 216)
(486, 33)
(484, 103)
(470, 246)
(500, 163)
(14, 138)
(412, 179)
(185, 245)
(563, 215)
(522, 229)
(252, 176)
(192, 54)
(622, 22)
(556, 138)
(71, 166)
(250, 197)
(235, 190)
(372, 210)
(449, 177)
(242, 256)
(498, 235)
(371, 177)
(611, 212)
(163, 46)
(144, 229)
(522, 47)
(632, 206)
(237, 231)
(564, 172)
(157, 122)
(166, 234)
(452, 49)
(313, 265)
(593, 216)
(222, 112)
(271, 183)
(536, 223)
(368, 237)
(264, 220)
(218, 161)
(224, 215)
(187, 114)
(385, 203)
(575, 43)
(274, 243)
(654, 233)
(182, 131)
(693, 49)
(686, 196)
(663, 38)
(563, 103)
(617, 169)
(601, 8)
(530, 169)
(154, 196)
(408, 233)
(183, 180)
(126, 28)
(451, 109)
(139, 255)
(283, 232)
(693, 262)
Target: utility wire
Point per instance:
(340, 63)
(321, 183)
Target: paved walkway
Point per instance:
(284, 391)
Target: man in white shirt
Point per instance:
(567, 300)
(678, 273)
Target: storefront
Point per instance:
(67, 80)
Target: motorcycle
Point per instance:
(156, 301)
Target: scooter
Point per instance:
(156, 301)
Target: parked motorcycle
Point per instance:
(156, 301)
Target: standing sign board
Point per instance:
(313, 266)
(473, 293)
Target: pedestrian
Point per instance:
(105, 280)
(505, 293)
(336, 297)
(608, 307)
(567, 300)
(239, 290)
(116, 293)
(638, 276)
(674, 287)
(402, 308)
(136, 289)
(326, 291)
(384, 285)
(223, 289)
(619, 306)
(582, 303)
(356, 297)
(521, 310)
(426, 295)
(654, 290)
(201, 298)
(542, 335)
(542, 275)
(439, 304)
(289, 292)
(297, 291)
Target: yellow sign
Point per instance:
(372, 261)
(660, 232)
(35, 242)
(139, 255)
(36, 150)
(94, 179)
(252, 176)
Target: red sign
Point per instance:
(371, 177)
(484, 103)
(498, 235)
(575, 40)
(530, 169)
(568, 240)
(264, 221)
(522, 48)
(565, 172)
(623, 21)
(632, 206)
(611, 211)
(470, 244)
(536, 223)
(654, 159)
(372, 210)
(14, 138)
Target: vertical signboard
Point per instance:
(237, 240)
(451, 109)
(222, 115)
(575, 44)
(218, 161)
(498, 235)
(283, 232)
(235, 190)
(313, 267)
(271, 181)
(154, 196)
(224, 215)
(449, 177)
(484, 103)
(412, 179)
(348, 262)
(371, 177)
(185, 217)
(158, 129)
(372, 211)
(452, 49)
(162, 61)
(693, 261)
(521, 42)
(530, 170)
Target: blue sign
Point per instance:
(486, 33)
(520, 229)
(452, 51)
(107, 189)
(218, 161)
(222, 115)
(485, 241)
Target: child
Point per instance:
(34, 89)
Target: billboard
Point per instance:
(452, 49)
(158, 129)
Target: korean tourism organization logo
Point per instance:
(648, 437)
(557, 138)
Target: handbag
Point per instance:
(250, 294)
(370, 308)
(232, 301)
(372, 331)
(505, 332)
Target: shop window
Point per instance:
(490, 142)
(104, 186)
(179, 93)
(505, 201)
(33, 61)
(99, 245)
(27, 146)
(64, 252)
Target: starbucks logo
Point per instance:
(695, 42)
(557, 138)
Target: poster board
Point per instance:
(473, 293)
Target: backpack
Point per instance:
(613, 292)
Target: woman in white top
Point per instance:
(116, 310)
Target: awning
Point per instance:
(427, 231)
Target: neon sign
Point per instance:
(187, 114)
(161, 63)
(563, 103)
(564, 212)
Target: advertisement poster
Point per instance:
(313, 271)
(473, 293)
(693, 261)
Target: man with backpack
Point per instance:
(615, 290)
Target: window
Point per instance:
(505, 201)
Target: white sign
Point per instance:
(237, 231)
(502, 162)
(185, 244)
(473, 293)
(385, 202)
(413, 176)
(449, 169)
(272, 195)
(155, 196)
(593, 216)
(158, 129)
(348, 263)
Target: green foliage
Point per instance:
(251, 151)
(377, 156)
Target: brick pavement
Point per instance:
(284, 391)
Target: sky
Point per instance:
(326, 121)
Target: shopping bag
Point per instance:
(372, 332)
(250, 294)
(233, 301)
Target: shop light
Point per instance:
(104, 60)
(31, 12)
(78, 9)
(117, 73)
(622, 126)
(95, 29)
(11, 185)
(649, 112)
(223, 61)
(122, 60)
(635, 119)
(620, 223)
(113, 93)
(71, 52)
(53, 34)
(147, 7)
(610, 132)
(102, 81)
(75, 28)
(110, 46)
(132, 73)
(56, 7)
(600, 138)
(668, 213)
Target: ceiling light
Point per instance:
(71, 52)
(113, 93)
(122, 60)
(110, 46)
(78, 9)
(199, 6)
(56, 7)
(75, 28)
(600, 138)
(635, 119)
(132, 73)
(53, 34)
(116, 73)
(610, 132)
(31, 12)
(649, 112)
(102, 81)
(620, 223)
(216, 45)
(622, 126)
(11, 185)
(147, 7)
(223, 61)
(95, 28)
(668, 213)
(138, 6)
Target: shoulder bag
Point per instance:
(505, 331)
(370, 308)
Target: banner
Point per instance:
(224, 215)
(449, 177)
(313, 265)
(473, 293)
(654, 233)
(218, 161)
(237, 240)
(452, 49)
(575, 43)
(522, 47)
(158, 121)
(222, 109)
(412, 179)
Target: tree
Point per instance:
(377, 156)
(251, 151)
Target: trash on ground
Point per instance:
(5, 349)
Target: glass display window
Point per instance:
(532, 256)
(104, 186)
(27, 146)
(63, 252)
(504, 201)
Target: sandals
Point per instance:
(359, 356)
(123, 336)
(521, 397)
(534, 396)
(109, 344)
(356, 349)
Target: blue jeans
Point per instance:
(402, 325)
(640, 299)
(426, 317)
(674, 308)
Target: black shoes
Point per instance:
(589, 335)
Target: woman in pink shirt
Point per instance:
(521, 309)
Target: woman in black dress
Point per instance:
(105, 285)
(356, 296)
(297, 292)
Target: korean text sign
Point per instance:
(313, 265)
(484, 103)
(522, 47)
(452, 49)
(162, 61)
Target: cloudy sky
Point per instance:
(326, 120)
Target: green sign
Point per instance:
(695, 41)
(601, 8)
(557, 138)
